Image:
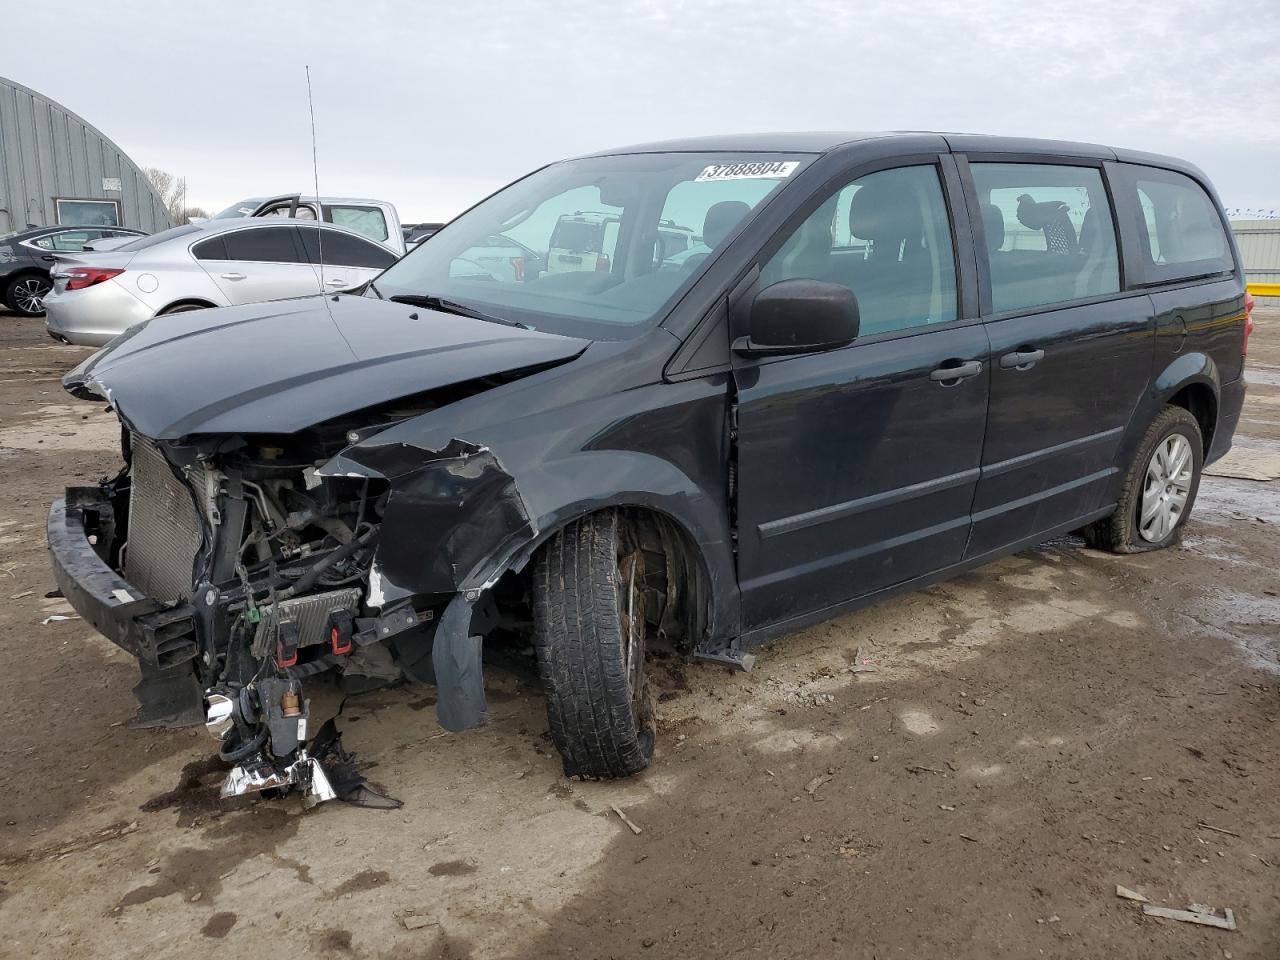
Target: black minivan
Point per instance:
(882, 360)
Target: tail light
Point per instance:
(1248, 322)
(517, 265)
(80, 277)
(602, 263)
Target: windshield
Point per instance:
(576, 248)
(244, 208)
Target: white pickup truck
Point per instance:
(375, 219)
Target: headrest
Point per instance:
(1036, 215)
(993, 226)
(883, 211)
(720, 220)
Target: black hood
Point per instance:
(282, 366)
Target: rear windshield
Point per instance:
(143, 242)
(577, 236)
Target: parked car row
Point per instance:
(568, 422)
(27, 258)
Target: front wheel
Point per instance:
(1159, 489)
(589, 632)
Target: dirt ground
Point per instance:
(1033, 734)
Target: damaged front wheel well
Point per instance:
(677, 584)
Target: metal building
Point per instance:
(57, 169)
(1259, 243)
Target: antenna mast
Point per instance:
(315, 172)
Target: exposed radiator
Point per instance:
(164, 528)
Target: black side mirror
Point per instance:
(800, 316)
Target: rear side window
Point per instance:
(344, 250)
(368, 221)
(263, 245)
(1049, 236)
(1180, 233)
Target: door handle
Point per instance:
(233, 276)
(1021, 359)
(950, 376)
(336, 282)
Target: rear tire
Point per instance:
(589, 632)
(182, 308)
(25, 294)
(1158, 492)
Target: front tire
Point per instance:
(1159, 489)
(589, 632)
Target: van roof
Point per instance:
(817, 142)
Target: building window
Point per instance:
(88, 213)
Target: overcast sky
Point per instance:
(432, 105)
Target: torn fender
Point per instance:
(447, 512)
(456, 659)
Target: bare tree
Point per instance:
(173, 194)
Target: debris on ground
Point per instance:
(415, 921)
(1210, 826)
(816, 784)
(1130, 894)
(1198, 913)
(861, 664)
(625, 819)
(56, 618)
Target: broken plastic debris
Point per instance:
(57, 617)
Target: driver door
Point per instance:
(857, 466)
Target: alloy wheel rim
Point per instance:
(29, 295)
(1165, 488)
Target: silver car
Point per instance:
(218, 263)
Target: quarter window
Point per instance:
(1180, 231)
(886, 237)
(1049, 236)
(263, 245)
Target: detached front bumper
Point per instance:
(161, 635)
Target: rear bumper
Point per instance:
(160, 635)
(95, 315)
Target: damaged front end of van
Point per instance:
(260, 534)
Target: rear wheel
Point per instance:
(1159, 489)
(182, 308)
(26, 293)
(589, 631)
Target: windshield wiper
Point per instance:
(452, 306)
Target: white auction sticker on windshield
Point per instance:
(751, 170)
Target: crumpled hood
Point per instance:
(282, 366)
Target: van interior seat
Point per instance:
(893, 284)
(718, 222)
(1068, 268)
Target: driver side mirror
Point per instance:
(799, 316)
